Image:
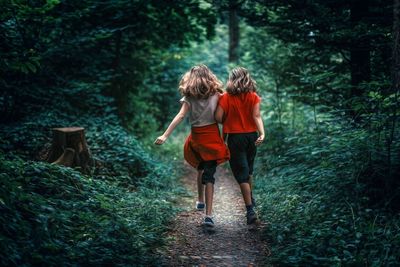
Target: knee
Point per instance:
(242, 179)
(208, 176)
(208, 173)
(241, 174)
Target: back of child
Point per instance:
(204, 148)
(239, 111)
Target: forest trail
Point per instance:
(232, 243)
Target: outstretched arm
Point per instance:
(175, 122)
(219, 114)
(260, 125)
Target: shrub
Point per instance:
(315, 195)
(52, 215)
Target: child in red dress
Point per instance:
(204, 148)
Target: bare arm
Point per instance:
(260, 125)
(175, 122)
(219, 114)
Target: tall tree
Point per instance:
(395, 89)
(360, 60)
(396, 46)
(233, 31)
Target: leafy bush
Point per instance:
(52, 215)
(118, 152)
(316, 195)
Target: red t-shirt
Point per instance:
(238, 112)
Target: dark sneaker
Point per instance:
(251, 217)
(200, 206)
(208, 221)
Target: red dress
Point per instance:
(204, 144)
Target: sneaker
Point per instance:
(208, 221)
(200, 205)
(251, 217)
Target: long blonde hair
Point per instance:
(240, 81)
(200, 82)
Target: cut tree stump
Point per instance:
(69, 148)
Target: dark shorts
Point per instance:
(243, 152)
(209, 168)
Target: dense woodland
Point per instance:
(326, 177)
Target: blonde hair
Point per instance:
(240, 81)
(200, 82)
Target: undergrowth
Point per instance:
(316, 195)
(55, 216)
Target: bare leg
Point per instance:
(251, 215)
(246, 192)
(251, 182)
(209, 198)
(200, 186)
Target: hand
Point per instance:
(259, 140)
(160, 140)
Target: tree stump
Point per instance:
(69, 148)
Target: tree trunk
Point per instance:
(69, 148)
(293, 113)
(233, 32)
(360, 59)
(117, 56)
(315, 107)
(395, 86)
(396, 47)
(278, 102)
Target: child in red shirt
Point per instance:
(204, 148)
(239, 112)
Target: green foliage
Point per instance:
(59, 60)
(158, 97)
(348, 41)
(326, 184)
(116, 151)
(324, 26)
(318, 195)
(53, 215)
(326, 180)
(46, 43)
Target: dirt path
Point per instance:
(232, 243)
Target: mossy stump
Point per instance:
(69, 148)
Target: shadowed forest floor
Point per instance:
(232, 243)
